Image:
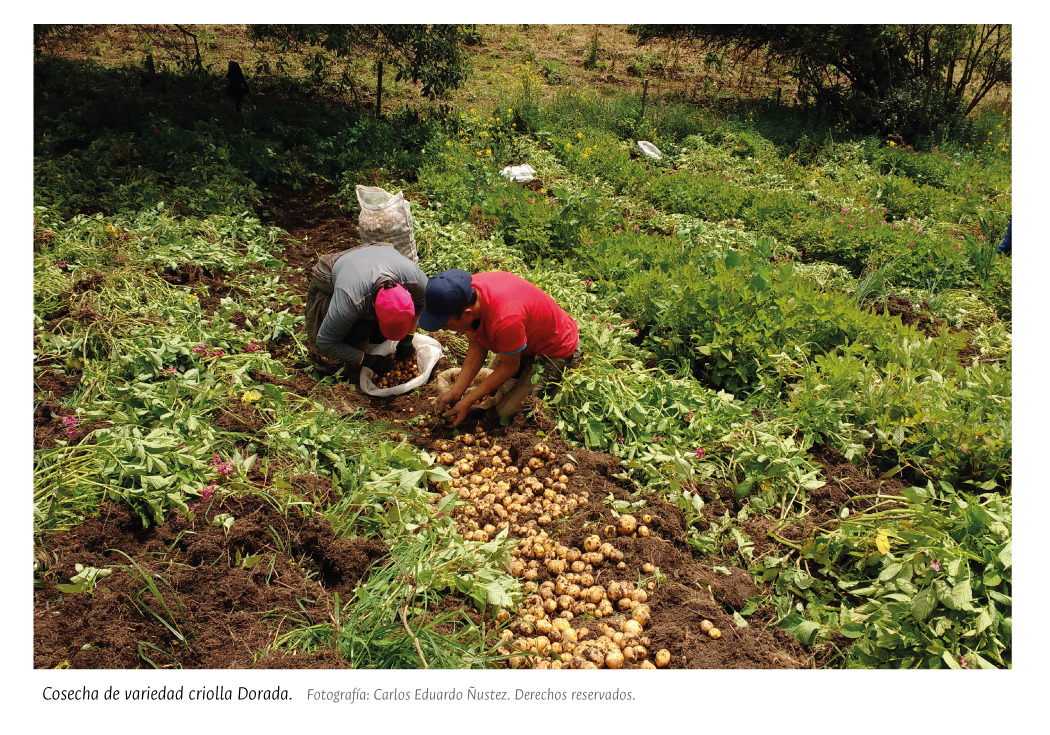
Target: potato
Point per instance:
(626, 525)
(609, 532)
(649, 568)
(715, 633)
(706, 625)
(643, 532)
(614, 659)
(642, 614)
(568, 468)
(646, 665)
(663, 657)
(632, 627)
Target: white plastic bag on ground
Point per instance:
(521, 174)
(386, 219)
(648, 150)
(446, 378)
(428, 352)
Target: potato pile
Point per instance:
(525, 495)
(402, 371)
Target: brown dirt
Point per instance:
(918, 317)
(228, 614)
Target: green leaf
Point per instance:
(804, 630)
(1000, 597)
(923, 603)
(890, 572)
(1006, 554)
(984, 620)
(497, 596)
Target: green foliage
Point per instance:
(924, 586)
(390, 622)
(427, 54)
(908, 79)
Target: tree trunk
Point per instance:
(379, 91)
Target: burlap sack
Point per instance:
(445, 379)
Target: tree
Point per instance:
(908, 79)
(430, 55)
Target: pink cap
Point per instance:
(395, 312)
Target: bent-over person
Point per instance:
(360, 297)
(505, 314)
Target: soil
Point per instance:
(230, 613)
(227, 611)
(920, 317)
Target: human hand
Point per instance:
(457, 413)
(404, 349)
(442, 401)
(379, 363)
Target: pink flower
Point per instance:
(252, 347)
(69, 421)
(208, 492)
(962, 662)
(699, 453)
(935, 565)
(223, 467)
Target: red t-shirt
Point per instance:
(519, 317)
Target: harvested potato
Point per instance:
(627, 524)
(663, 657)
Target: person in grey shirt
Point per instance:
(375, 294)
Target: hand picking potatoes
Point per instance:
(400, 372)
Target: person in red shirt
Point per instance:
(505, 314)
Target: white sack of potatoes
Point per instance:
(648, 150)
(428, 352)
(386, 219)
(521, 174)
(446, 378)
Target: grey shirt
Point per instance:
(356, 279)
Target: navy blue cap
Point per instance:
(447, 293)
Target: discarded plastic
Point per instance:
(648, 150)
(521, 174)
